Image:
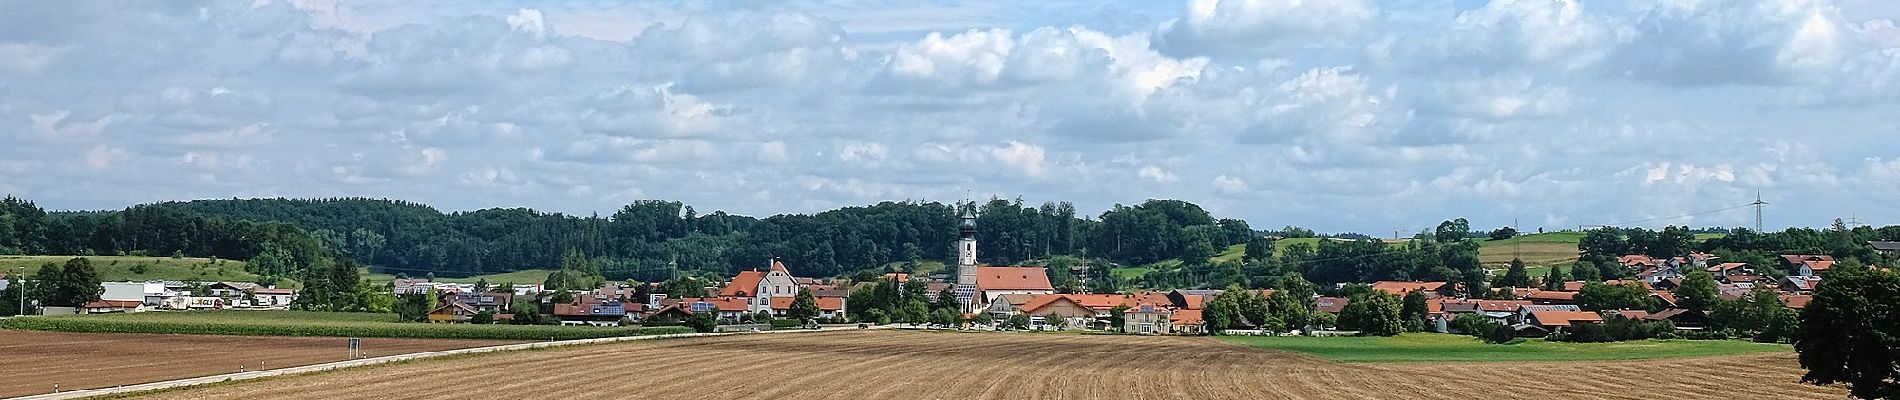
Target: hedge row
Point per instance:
(384, 330)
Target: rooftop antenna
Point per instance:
(1758, 203)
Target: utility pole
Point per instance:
(1517, 247)
(1758, 203)
(22, 290)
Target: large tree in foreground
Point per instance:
(1849, 333)
(1372, 314)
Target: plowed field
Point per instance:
(32, 362)
(934, 365)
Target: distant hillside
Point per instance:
(139, 269)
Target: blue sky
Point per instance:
(1337, 115)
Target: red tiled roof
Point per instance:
(1633, 314)
(1402, 288)
(1668, 299)
(1096, 302)
(1573, 286)
(1564, 318)
(1185, 317)
(1798, 258)
(1797, 301)
(1330, 305)
(744, 284)
(1727, 266)
(1013, 278)
(899, 276)
(1635, 259)
(278, 291)
(1551, 295)
(779, 266)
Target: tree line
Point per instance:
(646, 240)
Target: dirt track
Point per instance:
(31, 362)
(926, 365)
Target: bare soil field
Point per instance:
(941, 365)
(31, 362)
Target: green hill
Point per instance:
(139, 269)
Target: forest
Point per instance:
(647, 240)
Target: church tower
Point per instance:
(966, 262)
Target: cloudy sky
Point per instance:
(1337, 115)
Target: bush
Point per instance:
(1617, 329)
(1706, 335)
(786, 323)
(1471, 324)
(1500, 334)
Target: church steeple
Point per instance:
(966, 261)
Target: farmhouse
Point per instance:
(1885, 248)
(1807, 265)
(1551, 297)
(1148, 319)
(1684, 319)
(1072, 310)
(1557, 321)
(452, 312)
(774, 289)
(999, 281)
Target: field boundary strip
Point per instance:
(288, 371)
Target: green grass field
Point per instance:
(1541, 249)
(125, 268)
(1435, 347)
(1231, 254)
(1130, 273)
(309, 323)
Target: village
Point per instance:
(1009, 298)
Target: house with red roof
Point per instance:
(1807, 264)
(774, 289)
(1558, 321)
(997, 281)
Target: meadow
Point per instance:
(140, 269)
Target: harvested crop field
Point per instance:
(942, 365)
(33, 362)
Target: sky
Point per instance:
(1338, 115)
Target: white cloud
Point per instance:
(1157, 174)
(1229, 184)
(1487, 109)
(1025, 158)
(866, 152)
(1252, 26)
(21, 58)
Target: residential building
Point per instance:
(1807, 265)
(1558, 321)
(1148, 319)
(1885, 248)
(1799, 283)
(997, 281)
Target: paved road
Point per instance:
(75, 394)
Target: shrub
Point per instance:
(786, 323)
(1618, 328)
(1500, 334)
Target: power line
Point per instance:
(1679, 216)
